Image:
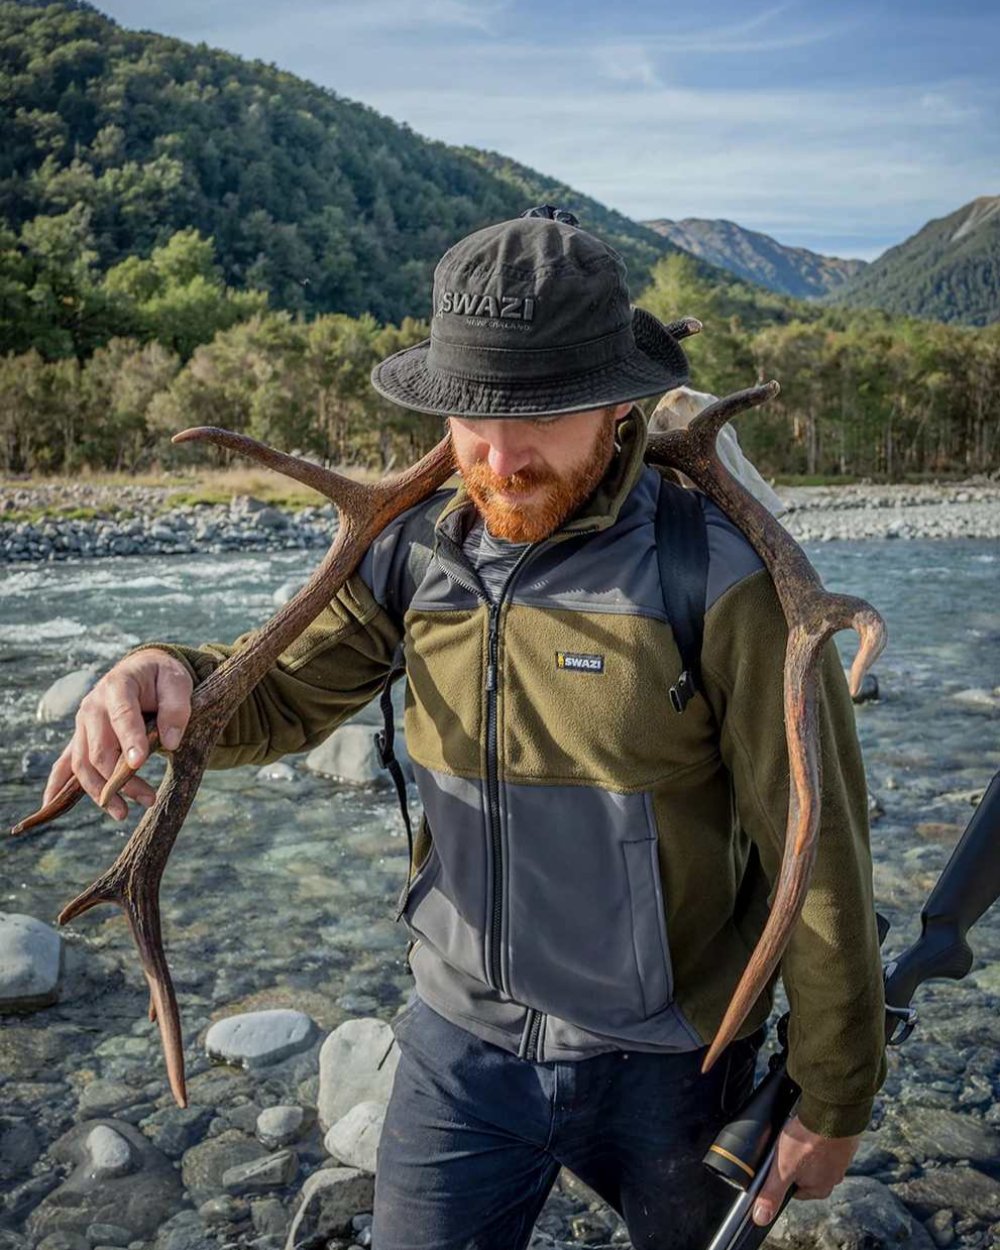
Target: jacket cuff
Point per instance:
(834, 1119)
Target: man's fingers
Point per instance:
(173, 702)
(92, 781)
(59, 774)
(139, 790)
(771, 1196)
(121, 700)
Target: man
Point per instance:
(592, 870)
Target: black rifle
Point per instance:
(969, 885)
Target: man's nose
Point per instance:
(508, 453)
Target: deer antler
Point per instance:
(813, 615)
(133, 880)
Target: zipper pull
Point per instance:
(491, 666)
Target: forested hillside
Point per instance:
(321, 203)
(949, 270)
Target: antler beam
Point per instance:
(813, 615)
(133, 880)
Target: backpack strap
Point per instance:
(385, 748)
(682, 554)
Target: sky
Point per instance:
(838, 127)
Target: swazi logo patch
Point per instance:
(476, 304)
(580, 663)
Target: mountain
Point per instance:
(948, 271)
(323, 203)
(759, 258)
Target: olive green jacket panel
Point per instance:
(832, 966)
(335, 667)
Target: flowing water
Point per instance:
(282, 892)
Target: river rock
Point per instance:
(860, 1214)
(109, 1153)
(276, 771)
(108, 1235)
(269, 1217)
(224, 1209)
(139, 1201)
(184, 1231)
(357, 1063)
(349, 755)
(259, 1175)
(868, 691)
(280, 1126)
(101, 1099)
(204, 1165)
(329, 1200)
(65, 694)
(354, 1139)
(256, 1039)
(19, 1148)
(31, 963)
(936, 1133)
(176, 1129)
(951, 1188)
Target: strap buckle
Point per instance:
(682, 691)
(385, 753)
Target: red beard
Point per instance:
(557, 497)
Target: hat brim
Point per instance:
(657, 364)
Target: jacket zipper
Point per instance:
(454, 567)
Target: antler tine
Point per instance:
(813, 615)
(133, 880)
(685, 327)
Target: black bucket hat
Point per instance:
(531, 317)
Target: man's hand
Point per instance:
(812, 1163)
(110, 721)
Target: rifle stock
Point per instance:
(966, 889)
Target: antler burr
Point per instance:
(813, 615)
(133, 880)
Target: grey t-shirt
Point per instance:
(492, 558)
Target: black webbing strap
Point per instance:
(384, 746)
(682, 553)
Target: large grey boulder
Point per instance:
(860, 1214)
(349, 755)
(357, 1063)
(354, 1139)
(139, 1192)
(329, 1200)
(936, 1133)
(256, 1039)
(65, 695)
(31, 963)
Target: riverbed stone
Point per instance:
(860, 1214)
(223, 1209)
(329, 1200)
(20, 1148)
(256, 1039)
(349, 755)
(101, 1099)
(176, 1129)
(108, 1235)
(280, 1126)
(940, 1134)
(269, 1217)
(951, 1188)
(357, 1063)
(110, 1154)
(278, 770)
(64, 696)
(272, 1171)
(31, 963)
(204, 1165)
(140, 1200)
(353, 1140)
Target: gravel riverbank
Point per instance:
(138, 520)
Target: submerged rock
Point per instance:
(65, 694)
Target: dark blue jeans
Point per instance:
(474, 1138)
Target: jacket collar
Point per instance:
(599, 511)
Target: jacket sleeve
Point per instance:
(832, 968)
(336, 666)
